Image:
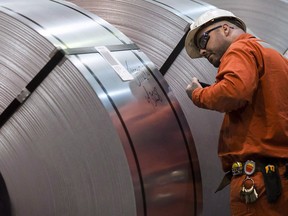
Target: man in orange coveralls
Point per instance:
(251, 88)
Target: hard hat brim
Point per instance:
(191, 49)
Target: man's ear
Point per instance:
(226, 29)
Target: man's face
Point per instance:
(211, 43)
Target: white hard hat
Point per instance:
(208, 16)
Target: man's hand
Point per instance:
(191, 87)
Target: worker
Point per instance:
(251, 89)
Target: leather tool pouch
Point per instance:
(272, 182)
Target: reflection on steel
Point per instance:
(87, 141)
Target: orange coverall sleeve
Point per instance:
(236, 81)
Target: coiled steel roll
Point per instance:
(88, 124)
(157, 27)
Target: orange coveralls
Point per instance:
(252, 89)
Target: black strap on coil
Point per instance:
(31, 86)
(171, 58)
(174, 54)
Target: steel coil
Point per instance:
(88, 124)
(157, 27)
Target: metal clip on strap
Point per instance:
(24, 94)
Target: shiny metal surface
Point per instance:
(157, 27)
(86, 142)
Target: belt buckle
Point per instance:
(237, 168)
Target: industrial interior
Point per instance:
(95, 120)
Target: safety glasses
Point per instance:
(203, 40)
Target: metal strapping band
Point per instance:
(111, 48)
(31, 86)
(174, 54)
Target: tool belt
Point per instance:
(269, 170)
